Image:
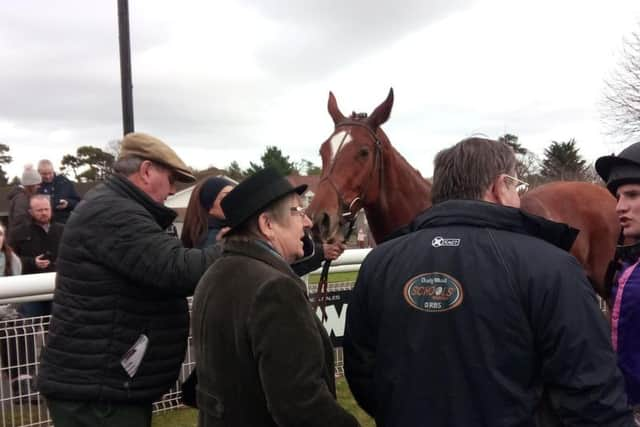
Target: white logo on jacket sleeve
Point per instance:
(439, 241)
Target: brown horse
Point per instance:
(361, 169)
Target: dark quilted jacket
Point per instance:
(119, 276)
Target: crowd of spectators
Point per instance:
(500, 310)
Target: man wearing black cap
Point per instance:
(622, 175)
(120, 320)
(264, 358)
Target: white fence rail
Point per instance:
(21, 341)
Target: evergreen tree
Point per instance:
(234, 171)
(563, 162)
(97, 164)
(5, 159)
(274, 158)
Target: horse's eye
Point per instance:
(364, 152)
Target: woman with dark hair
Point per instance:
(9, 262)
(204, 218)
(10, 265)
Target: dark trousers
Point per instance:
(66, 413)
(17, 347)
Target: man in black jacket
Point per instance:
(474, 319)
(37, 245)
(120, 319)
(63, 194)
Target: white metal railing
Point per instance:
(39, 287)
(21, 341)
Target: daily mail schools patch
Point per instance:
(433, 292)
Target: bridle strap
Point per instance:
(377, 164)
(323, 282)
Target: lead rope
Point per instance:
(323, 282)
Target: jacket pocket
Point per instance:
(210, 404)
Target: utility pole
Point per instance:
(126, 83)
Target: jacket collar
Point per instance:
(214, 223)
(262, 252)
(490, 215)
(162, 214)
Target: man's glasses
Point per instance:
(521, 186)
(298, 210)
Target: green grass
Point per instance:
(176, 418)
(349, 403)
(189, 417)
(335, 277)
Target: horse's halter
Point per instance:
(349, 209)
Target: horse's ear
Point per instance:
(334, 111)
(382, 112)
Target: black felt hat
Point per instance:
(621, 169)
(254, 194)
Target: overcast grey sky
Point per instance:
(219, 81)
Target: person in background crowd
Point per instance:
(264, 357)
(36, 243)
(62, 191)
(10, 264)
(361, 236)
(204, 217)
(19, 198)
(622, 175)
(12, 344)
(480, 317)
(120, 318)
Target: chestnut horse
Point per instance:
(361, 169)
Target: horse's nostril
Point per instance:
(321, 225)
(325, 221)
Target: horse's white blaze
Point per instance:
(338, 139)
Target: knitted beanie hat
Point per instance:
(30, 176)
(210, 190)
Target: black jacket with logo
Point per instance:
(119, 276)
(474, 320)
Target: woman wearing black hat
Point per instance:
(204, 218)
(264, 357)
(622, 176)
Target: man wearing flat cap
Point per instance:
(622, 175)
(264, 358)
(120, 319)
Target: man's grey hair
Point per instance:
(467, 170)
(127, 166)
(45, 163)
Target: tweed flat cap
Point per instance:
(151, 148)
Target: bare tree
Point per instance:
(528, 163)
(621, 106)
